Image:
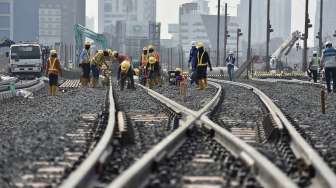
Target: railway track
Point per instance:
(134, 129)
(283, 137)
(32, 86)
(179, 159)
(193, 151)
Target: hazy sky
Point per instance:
(167, 12)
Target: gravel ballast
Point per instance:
(301, 103)
(147, 124)
(195, 98)
(35, 129)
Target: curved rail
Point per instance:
(87, 167)
(137, 174)
(18, 85)
(324, 175)
(33, 86)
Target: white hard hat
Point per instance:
(231, 52)
(328, 43)
(193, 43)
(314, 52)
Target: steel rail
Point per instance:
(20, 86)
(137, 174)
(78, 178)
(324, 177)
(32, 88)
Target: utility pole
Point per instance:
(239, 33)
(321, 29)
(226, 33)
(218, 30)
(268, 34)
(249, 39)
(305, 37)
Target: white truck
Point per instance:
(25, 58)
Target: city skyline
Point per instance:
(166, 16)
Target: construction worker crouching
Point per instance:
(53, 71)
(96, 63)
(157, 68)
(85, 64)
(203, 60)
(126, 72)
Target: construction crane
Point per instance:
(284, 50)
(81, 33)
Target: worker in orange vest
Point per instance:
(53, 71)
(157, 67)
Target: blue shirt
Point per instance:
(84, 56)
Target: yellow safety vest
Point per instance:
(200, 60)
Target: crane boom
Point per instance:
(81, 32)
(284, 49)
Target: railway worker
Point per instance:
(203, 61)
(157, 68)
(150, 69)
(328, 62)
(97, 62)
(143, 64)
(53, 70)
(230, 62)
(120, 57)
(85, 64)
(193, 62)
(314, 64)
(126, 72)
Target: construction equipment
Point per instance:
(81, 33)
(284, 50)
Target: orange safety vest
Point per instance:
(144, 60)
(52, 68)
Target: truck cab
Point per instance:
(25, 59)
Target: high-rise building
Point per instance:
(280, 17)
(329, 24)
(197, 25)
(90, 23)
(6, 19)
(112, 11)
(57, 19)
(26, 20)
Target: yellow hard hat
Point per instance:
(137, 71)
(200, 45)
(145, 49)
(125, 65)
(53, 52)
(151, 60)
(178, 70)
(87, 43)
(114, 53)
(151, 47)
(110, 51)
